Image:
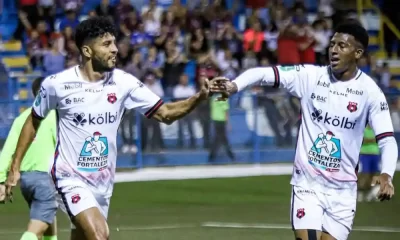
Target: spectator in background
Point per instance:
(129, 25)
(271, 40)
(124, 54)
(288, 52)
(385, 77)
(182, 91)
(154, 62)
(135, 66)
(306, 40)
(122, 10)
(73, 55)
(140, 40)
(151, 24)
(228, 65)
(173, 68)
(71, 5)
(253, 39)
(104, 9)
(179, 12)
(199, 43)
(151, 125)
(249, 60)
(53, 60)
(35, 49)
(321, 42)
(27, 15)
(65, 39)
(152, 6)
(47, 11)
(70, 19)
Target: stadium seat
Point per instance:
(23, 94)
(22, 79)
(12, 46)
(15, 62)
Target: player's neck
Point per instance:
(346, 75)
(89, 74)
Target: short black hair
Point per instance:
(36, 85)
(92, 28)
(355, 29)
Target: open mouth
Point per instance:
(334, 61)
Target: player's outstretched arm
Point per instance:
(170, 112)
(295, 79)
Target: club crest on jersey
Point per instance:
(300, 213)
(111, 98)
(352, 107)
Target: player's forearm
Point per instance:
(267, 75)
(170, 112)
(389, 155)
(26, 137)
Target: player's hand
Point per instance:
(12, 180)
(223, 86)
(2, 193)
(386, 190)
(205, 88)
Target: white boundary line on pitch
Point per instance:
(121, 228)
(287, 227)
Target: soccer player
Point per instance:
(369, 163)
(36, 184)
(90, 100)
(337, 101)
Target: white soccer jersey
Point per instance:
(333, 118)
(89, 114)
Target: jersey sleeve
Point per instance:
(294, 79)
(142, 98)
(379, 116)
(46, 100)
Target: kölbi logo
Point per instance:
(336, 121)
(93, 119)
(323, 84)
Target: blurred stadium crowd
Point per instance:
(171, 46)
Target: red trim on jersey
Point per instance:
(35, 115)
(383, 135)
(154, 109)
(277, 78)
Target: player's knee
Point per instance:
(37, 227)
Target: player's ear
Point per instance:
(87, 51)
(359, 53)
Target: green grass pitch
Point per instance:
(177, 210)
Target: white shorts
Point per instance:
(333, 214)
(74, 198)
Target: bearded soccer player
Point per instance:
(337, 101)
(36, 184)
(90, 100)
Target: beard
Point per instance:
(101, 66)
